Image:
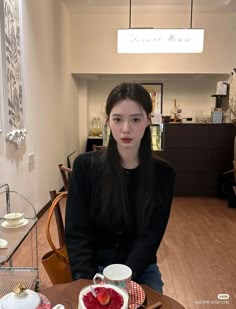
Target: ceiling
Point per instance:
(149, 6)
(145, 6)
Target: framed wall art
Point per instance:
(12, 81)
(1, 74)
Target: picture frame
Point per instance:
(156, 92)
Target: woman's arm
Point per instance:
(78, 230)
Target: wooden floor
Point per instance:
(197, 256)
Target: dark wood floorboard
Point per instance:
(197, 256)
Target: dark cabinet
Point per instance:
(200, 154)
(93, 141)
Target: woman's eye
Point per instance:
(117, 119)
(136, 119)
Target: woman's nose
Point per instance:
(126, 127)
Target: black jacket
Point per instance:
(91, 245)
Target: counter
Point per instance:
(200, 154)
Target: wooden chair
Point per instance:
(59, 218)
(55, 261)
(98, 147)
(230, 171)
(70, 158)
(65, 173)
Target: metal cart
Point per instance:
(12, 268)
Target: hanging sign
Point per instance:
(135, 41)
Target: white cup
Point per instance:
(14, 218)
(116, 274)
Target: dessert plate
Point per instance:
(13, 226)
(136, 295)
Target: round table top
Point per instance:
(67, 294)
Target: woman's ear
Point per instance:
(149, 120)
(107, 122)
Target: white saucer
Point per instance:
(11, 226)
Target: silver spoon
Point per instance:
(93, 291)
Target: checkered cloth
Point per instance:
(136, 295)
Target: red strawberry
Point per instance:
(103, 296)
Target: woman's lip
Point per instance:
(126, 140)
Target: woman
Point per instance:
(119, 198)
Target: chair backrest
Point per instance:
(65, 173)
(70, 158)
(59, 218)
(98, 147)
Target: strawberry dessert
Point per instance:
(106, 297)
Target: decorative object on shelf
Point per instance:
(201, 118)
(227, 116)
(217, 115)
(218, 102)
(176, 111)
(12, 71)
(222, 88)
(95, 127)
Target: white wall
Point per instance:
(51, 110)
(93, 38)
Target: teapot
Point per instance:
(20, 298)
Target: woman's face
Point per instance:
(127, 122)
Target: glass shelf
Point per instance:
(14, 237)
(11, 275)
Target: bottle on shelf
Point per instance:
(99, 127)
(96, 127)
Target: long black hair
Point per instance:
(113, 190)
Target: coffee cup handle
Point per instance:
(98, 278)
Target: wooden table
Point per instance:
(67, 295)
